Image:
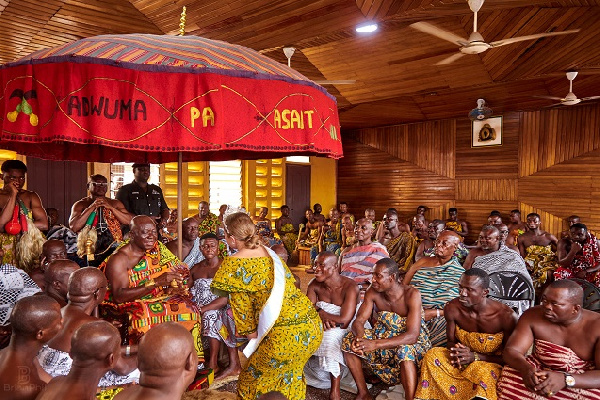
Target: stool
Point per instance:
(303, 255)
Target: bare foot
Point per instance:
(364, 396)
(229, 371)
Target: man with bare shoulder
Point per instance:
(566, 349)
(34, 321)
(516, 228)
(86, 289)
(579, 256)
(18, 206)
(395, 346)
(456, 225)
(538, 249)
(107, 214)
(437, 279)
(477, 329)
(191, 252)
(167, 362)
(398, 240)
(334, 297)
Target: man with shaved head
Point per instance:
(191, 254)
(147, 285)
(334, 297)
(95, 348)
(56, 279)
(167, 362)
(51, 250)
(357, 261)
(437, 279)
(34, 320)
(565, 363)
(86, 289)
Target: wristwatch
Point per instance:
(569, 380)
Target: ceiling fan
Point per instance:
(289, 52)
(475, 43)
(570, 99)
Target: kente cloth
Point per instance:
(440, 380)
(332, 241)
(541, 262)
(358, 261)
(195, 255)
(263, 228)
(289, 237)
(311, 239)
(547, 356)
(8, 243)
(58, 363)
(385, 363)
(454, 225)
(15, 284)
(519, 233)
(402, 249)
(505, 260)
(210, 224)
(278, 362)
(108, 394)
(216, 324)
(589, 257)
(438, 285)
(460, 253)
(140, 315)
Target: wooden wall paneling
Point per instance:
(487, 189)
(550, 222)
(476, 213)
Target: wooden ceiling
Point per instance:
(397, 80)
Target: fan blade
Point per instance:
(590, 98)
(504, 42)
(550, 97)
(440, 33)
(338, 82)
(451, 59)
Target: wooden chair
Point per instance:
(303, 255)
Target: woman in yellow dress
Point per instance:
(282, 325)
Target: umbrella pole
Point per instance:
(179, 207)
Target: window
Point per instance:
(225, 184)
(298, 159)
(121, 174)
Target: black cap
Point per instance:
(140, 165)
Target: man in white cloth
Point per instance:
(496, 257)
(334, 297)
(192, 254)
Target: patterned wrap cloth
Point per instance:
(289, 237)
(263, 228)
(588, 258)
(441, 380)
(460, 253)
(402, 250)
(195, 255)
(505, 259)
(140, 315)
(211, 224)
(438, 285)
(58, 363)
(15, 284)
(217, 324)
(454, 225)
(278, 362)
(358, 261)
(385, 363)
(547, 356)
(332, 241)
(541, 262)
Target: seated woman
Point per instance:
(330, 238)
(263, 227)
(217, 322)
(286, 231)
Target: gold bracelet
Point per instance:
(150, 282)
(476, 357)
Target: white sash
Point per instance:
(270, 311)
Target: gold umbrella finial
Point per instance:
(182, 22)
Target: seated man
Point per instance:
(420, 213)
(52, 249)
(345, 211)
(492, 256)
(217, 320)
(86, 289)
(209, 223)
(331, 234)
(334, 297)
(348, 234)
(495, 219)
(536, 248)
(34, 321)
(477, 329)
(309, 235)
(357, 261)
(190, 243)
(393, 349)
(419, 227)
(578, 256)
(147, 285)
(370, 214)
(167, 362)
(427, 247)
(437, 280)
(400, 245)
(516, 228)
(95, 348)
(566, 349)
(56, 279)
(285, 229)
(504, 232)
(456, 225)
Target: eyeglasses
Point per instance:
(99, 183)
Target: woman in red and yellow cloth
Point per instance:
(147, 285)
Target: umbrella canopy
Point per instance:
(149, 98)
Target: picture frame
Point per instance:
(487, 132)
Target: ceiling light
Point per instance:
(366, 28)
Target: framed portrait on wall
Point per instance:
(487, 132)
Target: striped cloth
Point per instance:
(358, 262)
(438, 285)
(547, 356)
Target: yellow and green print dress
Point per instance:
(278, 363)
